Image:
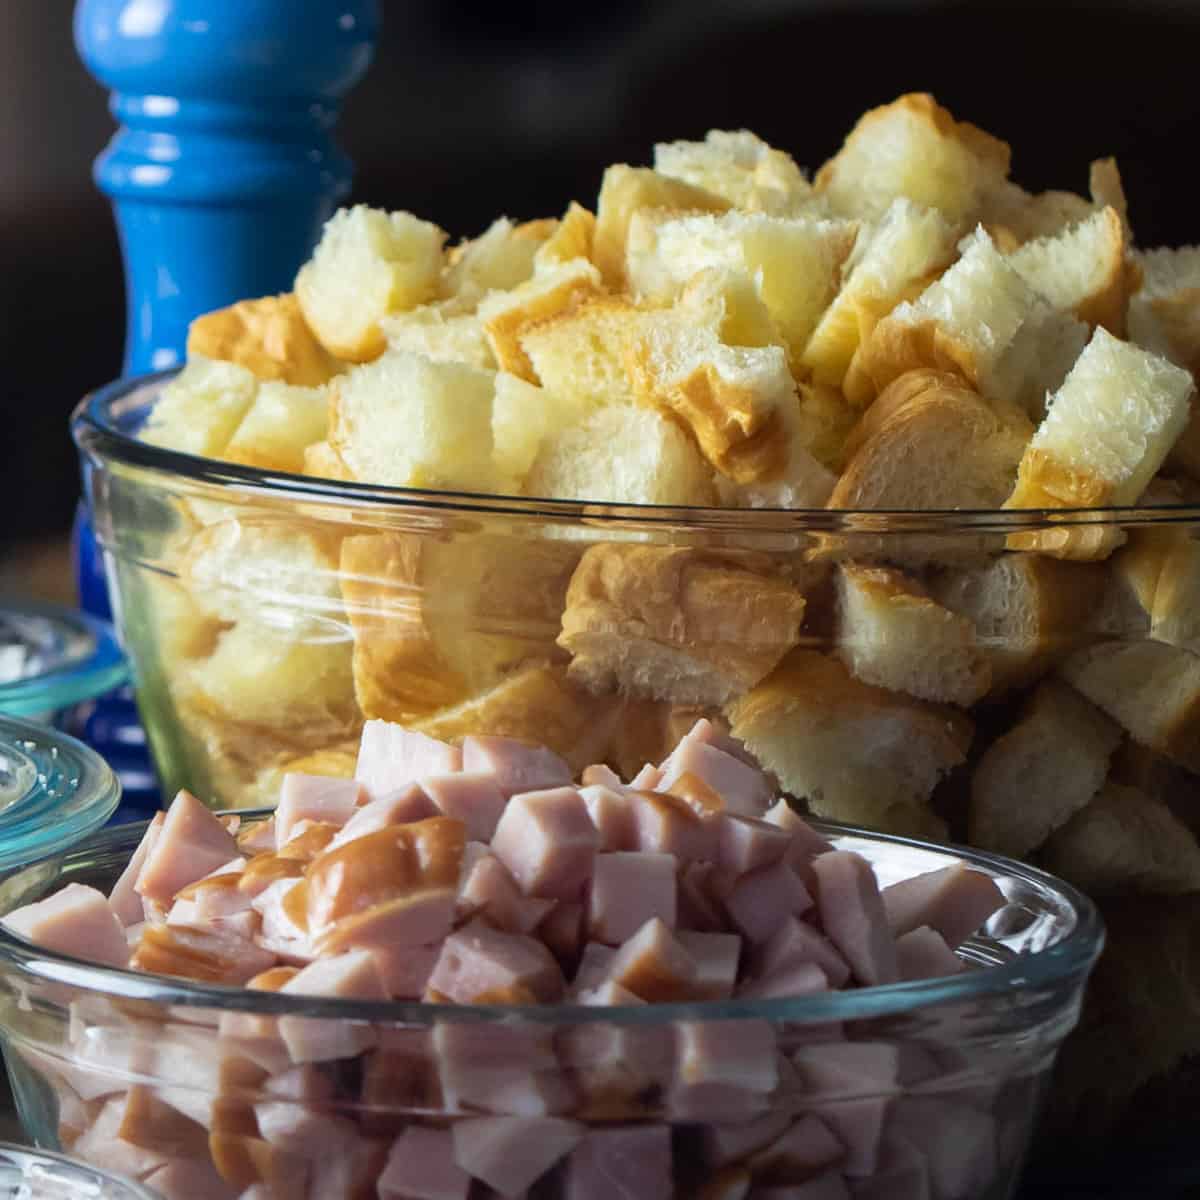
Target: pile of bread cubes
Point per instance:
(909, 330)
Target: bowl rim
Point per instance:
(1069, 959)
(98, 438)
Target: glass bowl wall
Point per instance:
(937, 1083)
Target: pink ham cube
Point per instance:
(804, 1149)
(605, 995)
(548, 842)
(322, 798)
(350, 976)
(796, 979)
(646, 780)
(665, 824)
(742, 788)
(600, 775)
(510, 1154)
(488, 890)
(502, 1069)
(900, 1173)
(725, 1144)
(846, 1070)
(628, 889)
(922, 953)
(761, 899)
(516, 766)
(853, 917)
(126, 903)
(654, 965)
(421, 1166)
(102, 1146)
(797, 942)
(736, 1052)
(482, 965)
(190, 1179)
(630, 1162)
(77, 920)
(191, 843)
(745, 843)
(705, 731)
(401, 807)
(613, 1064)
(562, 932)
(806, 841)
(955, 901)
(612, 815)
(595, 962)
(716, 956)
(418, 919)
(827, 1186)
(472, 797)
(406, 970)
(957, 1141)
(698, 906)
(858, 1125)
(391, 757)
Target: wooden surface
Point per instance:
(37, 570)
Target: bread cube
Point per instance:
(980, 319)
(1082, 270)
(893, 261)
(499, 259)
(367, 264)
(440, 334)
(892, 633)
(572, 238)
(623, 191)
(1125, 840)
(849, 748)
(322, 461)
(523, 417)
(1108, 430)
(622, 455)
(1035, 777)
(741, 168)
(279, 426)
(913, 147)
(201, 408)
(796, 261)
(405, 421)
(269, 337)
(1164, 313)
(823, 423)
(1160, 570)
(672, 623)
(726, 300)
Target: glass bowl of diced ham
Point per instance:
(469, 972)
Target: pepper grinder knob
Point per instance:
(223, 169)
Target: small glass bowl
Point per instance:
(34, 1175)
(938, 1080)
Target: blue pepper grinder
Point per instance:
(221, 173)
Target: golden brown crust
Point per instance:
(692, 626)
(572, 238)
(269, 337)
(895, 348)
(623, 191)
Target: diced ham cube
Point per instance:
(612, 1065)
(510, 1154)
(922, 953)
(796, 979)
(125, 901)
(406, 970)
(955, 901)
(102, 1146)
(391, 757)
(548, 842)
(845, 1070)
(698, 908)
(725, 1144)
(77, 920)
(472, 797)
(900, 1174)
(804, 1149)
(853, 917)
(806, 841)
(418, 919)
(705, 731)
(190, 1179)
(606, 995)
(397, 1077)
(282, 920)
(149, 1122)
(516, 766)
(482, 965)
(761, 899)
(352, 976)
(646, 780)
(858, 1125)
(600, 775)
(421, 1166)
(612, 815)
(654, 965)
(401, 807)
(203, 954)
(797, 942)
(628, 889)
(257, 838)
(737, 1052)
(631, 1162)
(352, 1173)
(561, 931)
(665, 824)
(322, 798)
(191, 843)
(957, 1141)
(489, 890)
(716, 957)
(503, 1069)
(106, 1048)
(743, 789)
(744, 843)
(594, 965)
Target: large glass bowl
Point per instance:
(29, 1175)
(942, 1078)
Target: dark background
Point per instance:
(476, 108)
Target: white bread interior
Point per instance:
(279, 426)
(199, 410)
(441, 334)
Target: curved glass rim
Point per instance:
(27, 1159)
(1071, 957)
(95, 434)
(69, 682)
(73, 795)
